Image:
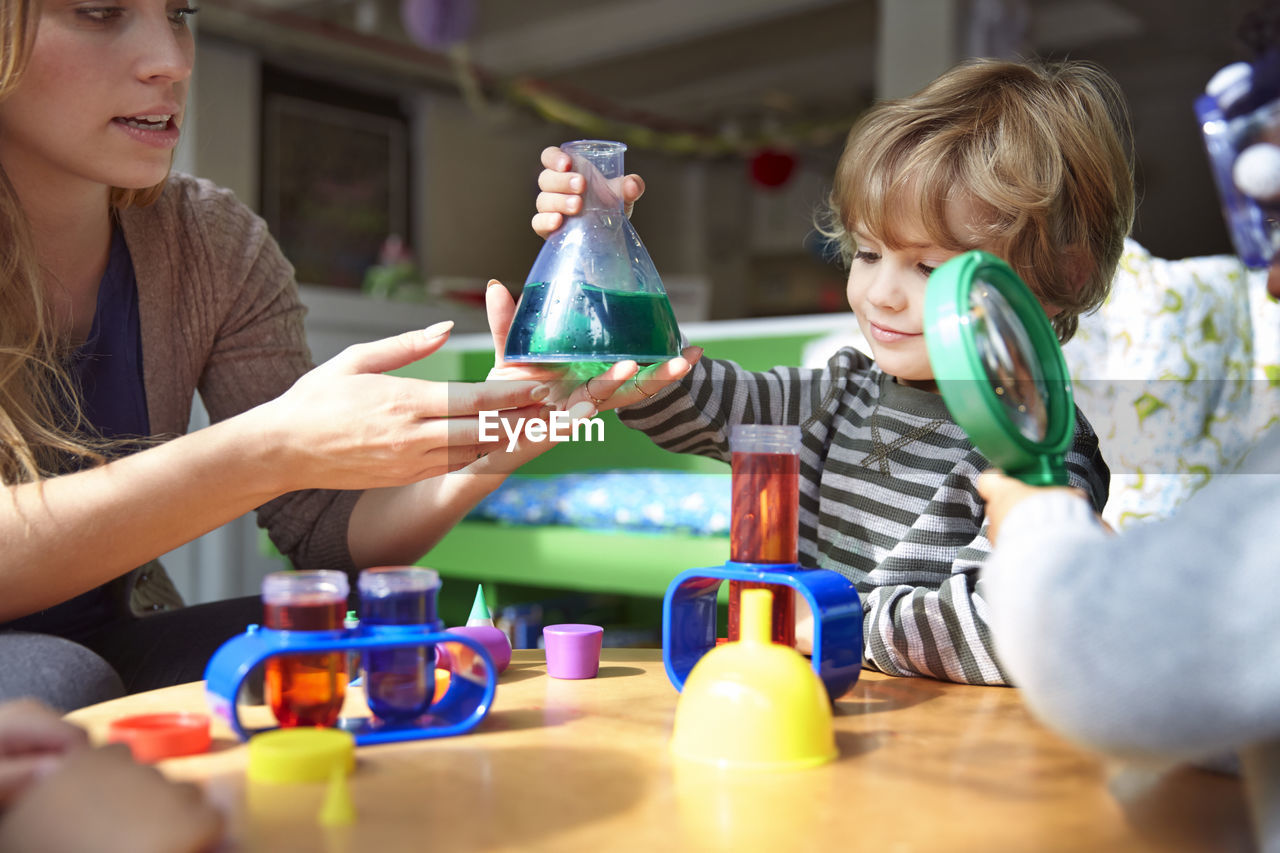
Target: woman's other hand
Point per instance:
(347, 425)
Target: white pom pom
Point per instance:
(1231, 83)
(1257, 171)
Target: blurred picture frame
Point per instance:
(335, 176)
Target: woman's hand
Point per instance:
(1002, 493)
(621, 385)
(561, 191)
(345, 425)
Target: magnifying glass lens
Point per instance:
(1010, 360)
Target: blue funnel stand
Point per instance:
(689, 618)
(463, 706)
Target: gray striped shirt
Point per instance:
(887, 496)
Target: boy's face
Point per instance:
(886, 291)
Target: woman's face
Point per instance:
(102, 97)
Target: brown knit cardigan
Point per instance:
(220, 313)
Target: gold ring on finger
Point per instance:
(592, 397)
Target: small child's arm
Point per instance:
(1002, 493)
(696, 414)
(1158, 641)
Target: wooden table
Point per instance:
(583, 765)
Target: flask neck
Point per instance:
(598, 164)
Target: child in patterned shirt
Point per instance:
(1028, 162)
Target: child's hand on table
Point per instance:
(104, 801)
(58, 794)
(33, 740)
(561, 191)
(804, 626)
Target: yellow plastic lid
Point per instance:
(300, 755)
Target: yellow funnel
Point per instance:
(753, 703)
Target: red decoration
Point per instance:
(772, 167)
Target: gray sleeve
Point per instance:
(1159, 641)
(258, 352)
(695, 414)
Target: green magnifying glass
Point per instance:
(999, 367)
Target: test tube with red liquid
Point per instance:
(399, 683)
(765, 524)
(305, 689)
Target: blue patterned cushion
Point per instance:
(632, 499)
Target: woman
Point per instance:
(122, 291)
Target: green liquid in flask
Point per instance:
(596, 325)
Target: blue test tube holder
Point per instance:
(463, 706)
(689, 618)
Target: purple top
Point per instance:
(108, 365)
(108, 369)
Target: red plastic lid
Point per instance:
(152, 737)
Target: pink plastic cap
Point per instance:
(573, 651)
(494, 640)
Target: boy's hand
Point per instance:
(561, 191)
(804, 625)
(1002, 493)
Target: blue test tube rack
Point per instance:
(689, 618)
(463, 706)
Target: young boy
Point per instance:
(1030, 163)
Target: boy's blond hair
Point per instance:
(1042, 151)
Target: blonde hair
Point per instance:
(1044, 152)
(42, 426)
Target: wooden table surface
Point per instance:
(583, 765)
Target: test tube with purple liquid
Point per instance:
(399, 683)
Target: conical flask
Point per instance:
(593, 293)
